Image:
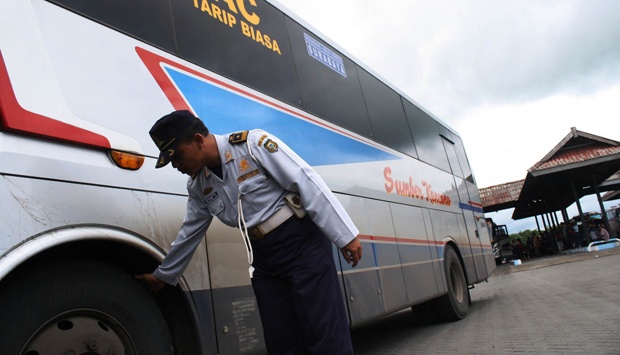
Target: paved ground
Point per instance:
(561, 304)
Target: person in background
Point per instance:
(536, 244)
(592, 232)
(602, 233)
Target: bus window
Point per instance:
(426, 137)
(334, 95)
(452, 158)
(148, 20)
(387, 117)
(460, 152)
(270, 70)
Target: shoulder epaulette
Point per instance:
(238, 137)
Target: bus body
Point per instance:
(83, 208)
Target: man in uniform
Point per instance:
(253, 181)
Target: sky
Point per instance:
(511, 77)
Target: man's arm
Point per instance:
(152, 283)
(191, 233)
(296, 175)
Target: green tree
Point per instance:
(523, 235)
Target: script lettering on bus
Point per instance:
(409, 189)
(246, 23)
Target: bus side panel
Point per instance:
(415, 249)
(361, 284)
(238, 325)
(436, 253)
(380, 226)
(237, 320)
(452, 226)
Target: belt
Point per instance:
(274, 221)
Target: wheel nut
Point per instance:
(92, 345)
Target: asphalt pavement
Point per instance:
(559, 304)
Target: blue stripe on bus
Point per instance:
(226, 112)
(469, 207)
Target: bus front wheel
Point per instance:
(80, 307)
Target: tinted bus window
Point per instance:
(426, 137)
(387, 117)
(148, 20)
(212, 35)
(330, 87)
(460, 152)
(455, 166)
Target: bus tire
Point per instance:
(80, 306)
(454, 305)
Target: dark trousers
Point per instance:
(298, 292)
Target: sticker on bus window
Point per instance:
(325, 55)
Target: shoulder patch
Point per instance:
(238, 137)
(271, 146)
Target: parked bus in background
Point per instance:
(613, 216)
(83, 209)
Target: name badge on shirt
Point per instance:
(210, 198)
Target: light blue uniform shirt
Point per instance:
(262, 189)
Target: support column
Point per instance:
(583, 230)
(565, 216)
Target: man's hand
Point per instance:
(352, 252)
(152, 283)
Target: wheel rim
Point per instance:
(457, 285)
(80, 332)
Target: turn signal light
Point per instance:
(126, 160)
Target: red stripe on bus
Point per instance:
(15, 118)
(475, 204)
(374, 238)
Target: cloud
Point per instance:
(503, 141)
(516, 52)
(512, 77)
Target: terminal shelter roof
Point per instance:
(574, 168)
(613, 194)
(502, 196)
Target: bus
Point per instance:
(83, 209)
(613, 216)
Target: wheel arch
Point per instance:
(121, 248)
(450, 242)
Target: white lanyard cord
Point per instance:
(241, 223)
(244, 234)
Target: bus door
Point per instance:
(477, 231)
(469, 208)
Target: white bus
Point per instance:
(83, 209)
